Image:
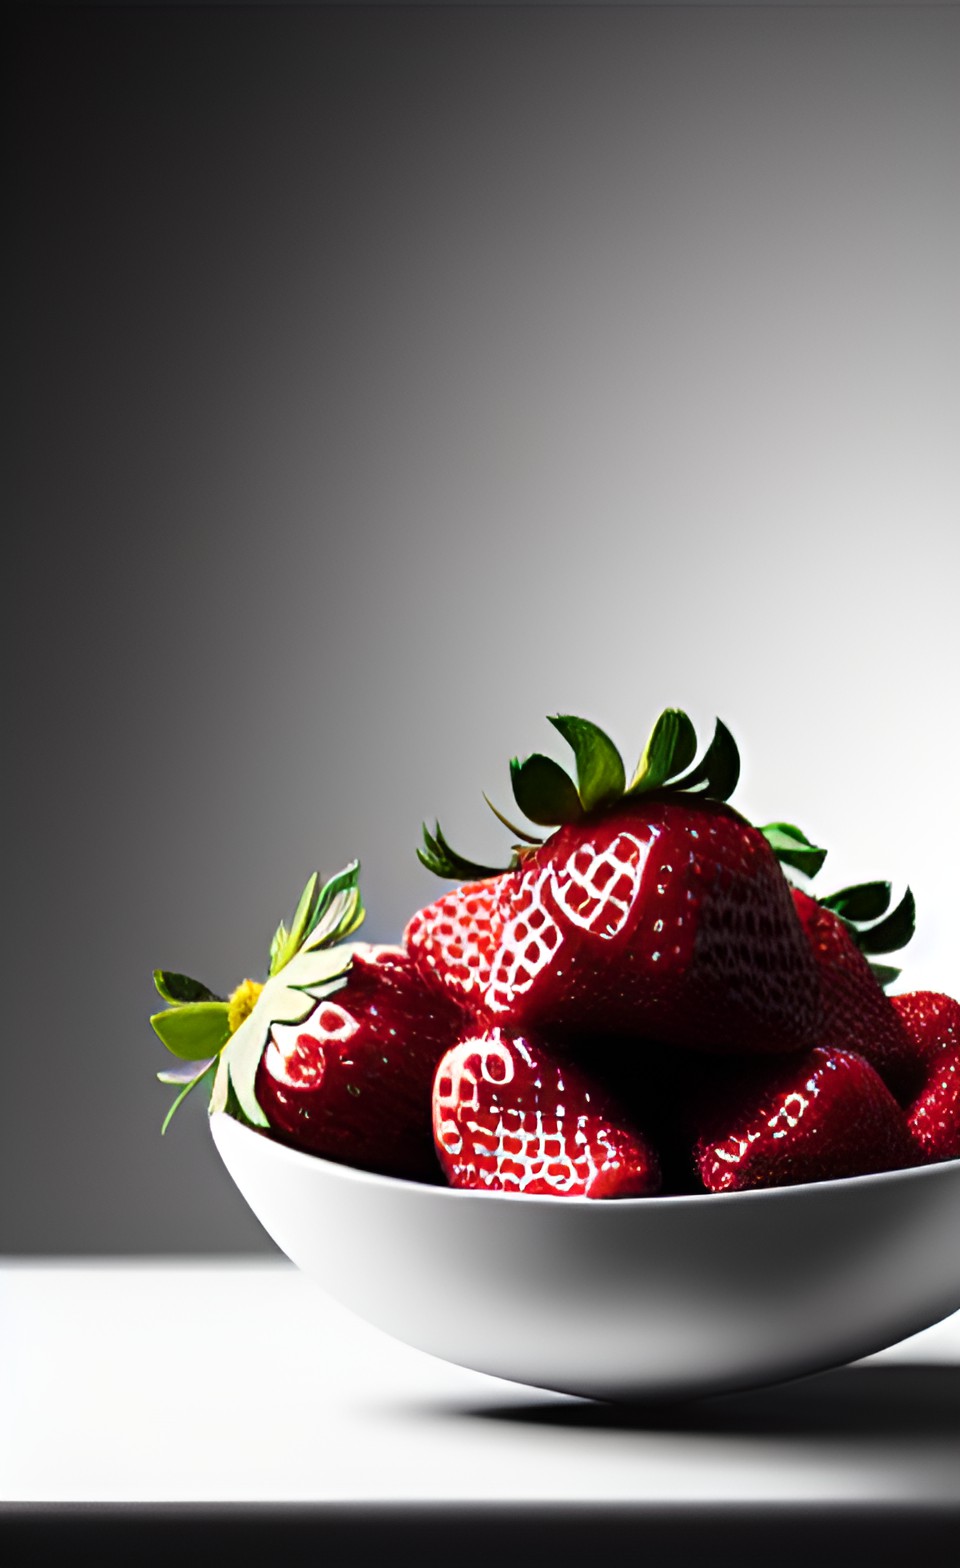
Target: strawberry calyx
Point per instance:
(220, 1040)
(792, 847)
(549, 797)
(864, 909)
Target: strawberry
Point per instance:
(219, 1039)
(353, 1081)
(932, 1021)
(653, 909)
(812, 1118)
(856, 1013)
(511, 1114)
(334, 1052)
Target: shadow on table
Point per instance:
(902, 1402)
(874, 1415)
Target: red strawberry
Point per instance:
(512, 1115)
(856, 1013)
(932, 1021)
(655, 910)
(334, 1052)
(353, 1081)
(824, 1115)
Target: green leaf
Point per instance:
(194, 1029)
(304, 912)
(671, 747)
(343, 917)
(885, 974)
(865, 901)
(600, 772)
(206, 1072)
(339, 909)
(178, 988)
(443, 861)
(321, 919)
(793, 848)
(717, 774)
(277, 946)
(286, 943)
(892, 933)
(345, 881)
(543, 791)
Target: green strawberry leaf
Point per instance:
(892, 933)
(323, 918)
(285, 943)
(793, 848)
(543, 791)
(865, 901)
(671, 747)
(885, 974)
(277, 946)
(303, 913)
(718, 772)
(344, 916)
(193, 1029)
(178, 988)
(338, 910)
(600, 772)
(443, 861)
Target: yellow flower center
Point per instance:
(242, 1002)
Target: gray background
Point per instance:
(384, 379)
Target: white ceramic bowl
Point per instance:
(628, 1299)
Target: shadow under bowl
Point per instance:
(633, 1299)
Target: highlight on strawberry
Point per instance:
(813, 1117)
(641, 1000)
(652, 910)
(510, 1114)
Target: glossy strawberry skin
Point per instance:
(662, 919)
(353, 1082)
(932, 1021)
(513, 1115)
(855, 1012)
(823, 1115)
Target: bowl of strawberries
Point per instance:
(631, 1117)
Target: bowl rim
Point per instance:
(305, 1159)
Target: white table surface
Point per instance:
(241, 1381)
